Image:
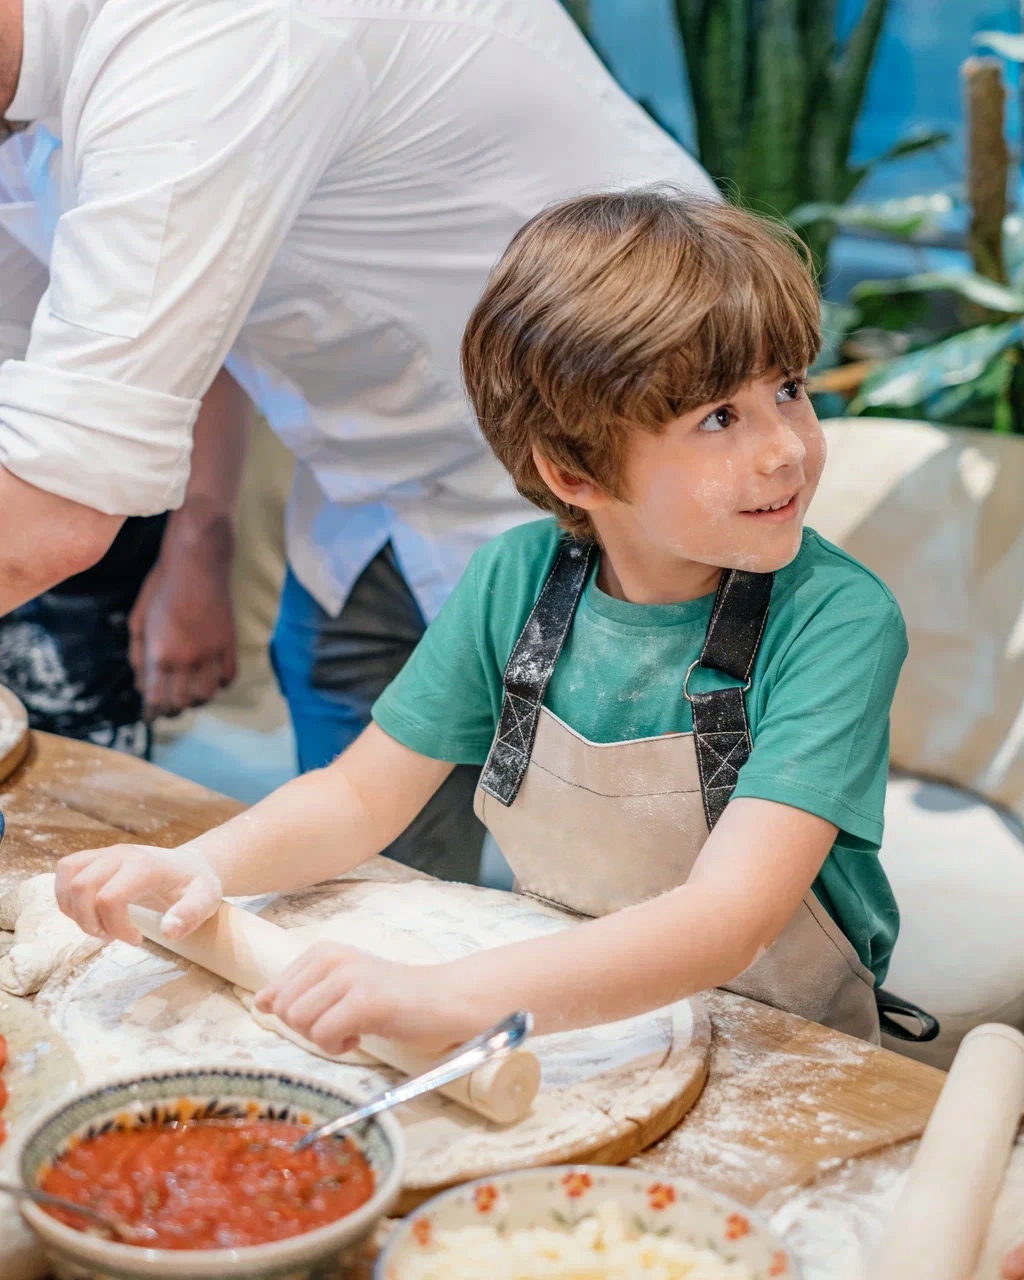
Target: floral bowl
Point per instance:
(248, 1093)
(561, 1196)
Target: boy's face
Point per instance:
(697, 491)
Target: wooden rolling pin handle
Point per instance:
(250, 952)
(941, 1217)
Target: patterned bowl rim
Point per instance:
(401, 1234)
(206, 1262)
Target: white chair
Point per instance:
(938, 513)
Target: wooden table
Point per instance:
(785, 1098)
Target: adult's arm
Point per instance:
(43, 538)
(182, 627)
(193, 138)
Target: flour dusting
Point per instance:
(33, 663)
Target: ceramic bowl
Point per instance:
(559, 1196)
(315, 1255)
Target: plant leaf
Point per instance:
(772, 152)
(920, 140)
(720, 80)
(975, 402)
(913, 381)
(965, 284)
(907, 217)
(690, 16)
(1002, 42)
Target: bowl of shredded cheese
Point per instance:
(583, 1222)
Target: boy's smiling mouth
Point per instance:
(776, 512)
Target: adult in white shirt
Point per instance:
(309, 193)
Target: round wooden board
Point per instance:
(13, 733)
(607, 1093)
(40, 1069)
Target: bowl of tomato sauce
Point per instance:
(200, 1163)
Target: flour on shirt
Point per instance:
(32, 663)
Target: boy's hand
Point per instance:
(334, 994)
(96, 887)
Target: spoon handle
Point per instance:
(496, 1043)
(57, 1202)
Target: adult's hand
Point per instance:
(183, 627)
(183, 647)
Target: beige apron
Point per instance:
(597, 827)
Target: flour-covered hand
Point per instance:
(97, 886)
(334, 994)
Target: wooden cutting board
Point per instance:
(607, 1093)
(14, 732)
(788, 1100)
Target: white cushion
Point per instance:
(956, 865)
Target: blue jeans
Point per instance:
(332, 670)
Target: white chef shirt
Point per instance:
(312, 191)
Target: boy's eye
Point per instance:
(791, 389)
(717, 419)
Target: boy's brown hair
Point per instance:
(614, 312)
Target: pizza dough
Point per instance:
(44, 938)
(606, 1092)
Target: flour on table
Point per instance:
(131, 1008)
(835, 1227)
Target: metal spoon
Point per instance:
(497, 1043)
(120, 1230)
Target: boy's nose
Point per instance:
(782, 446)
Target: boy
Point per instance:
(636, 363)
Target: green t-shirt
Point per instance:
(818, 707)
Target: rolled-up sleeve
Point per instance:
(193, 136)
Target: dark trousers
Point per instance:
(65, 654)
(332, 670)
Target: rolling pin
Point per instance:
(249, 952)
(941, 1218)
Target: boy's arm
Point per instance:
(326, 822)
(750, 878)
(314, 828)
(748, 881)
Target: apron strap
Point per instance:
(721, 735)
(529, 669)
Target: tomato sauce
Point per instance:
(212, 1184)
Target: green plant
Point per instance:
(776, 100)
(966, 326)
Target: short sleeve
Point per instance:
(444, 703)
(822, 741)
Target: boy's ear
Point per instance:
(571, 489)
